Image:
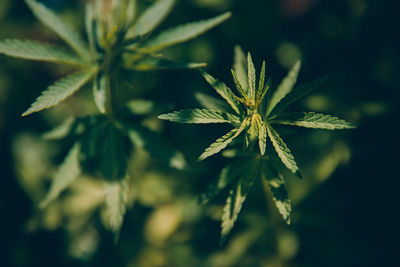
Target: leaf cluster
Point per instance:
(120, 41)
(253, 111)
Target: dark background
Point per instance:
(346, 216)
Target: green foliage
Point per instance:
(257, 114)
(118, 44)
(38, 51)
(68, 171)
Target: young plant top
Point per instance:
(253, 112)
(118, 43)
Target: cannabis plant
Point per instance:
(253, 113)
(119, 43)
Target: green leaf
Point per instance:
(227, 175)
(297, 93)
(183, 33)
(283, 151)
(114, 152)
(261, 83)
(222, 142)
(48, 18)
(242, 90)
(224, 91)
(262, 137)
(157, 146)
(251, 77)
(38, 51)
(60, 90)
(210, 102)
(200, 116)
(284, 87)
(313, 120)
(68, 171)
(61, 131)
(235, 200)
(130, 11)
(159, 63)
(240, 66)
(116, 198)
(100, 92)
(274, 180)
(89, 24)
(141, 106)
(151, 18)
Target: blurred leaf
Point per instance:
(284, 87)
(60, 90)
(274, 180)
(38, 51)
(227, 176)
(151, 18)
(313, 120)
(240, 66)
(67, 172)
(159, 63)
(210, 102)
(283, 151)
(242, 90)
(224, 91)
(89, 24)
(157, 146)
(183, 33)
(200, 116)
(114, 151)
(100, 91)
(61, 131)
(296, 94)
(116, 197)
(48, 18)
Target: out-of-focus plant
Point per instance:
(254, 114)
(119, 43)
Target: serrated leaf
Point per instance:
(116, 198)
(151, 18)
(274, 180)
(48, 18)
(210, 102)
(283, 151)
(222, 142)
(235, 200)
(66, 173)
(157, 146)
(100, 92)
(60, 90)
(200, 116)
(242, 91)
(262, 137)
(183, 33)
(151, 64)
(224, 91)
(240, 66)
(227, 175)
(251, 77)
(33, 50)
(296, 94)
(313, 120)
(61, 131)
(284, 87)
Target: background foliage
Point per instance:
(343, 209)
